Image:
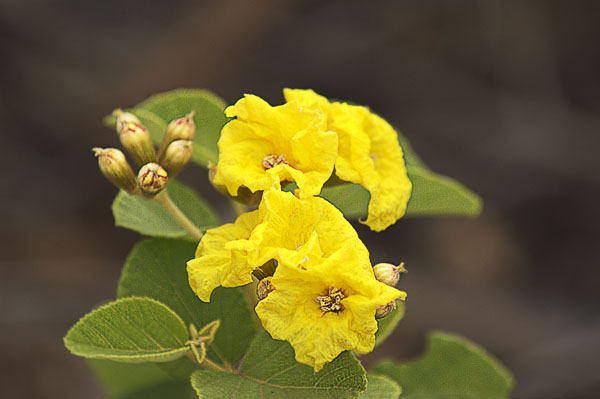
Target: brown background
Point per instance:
(502, 95)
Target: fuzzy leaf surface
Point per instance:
(156, 268)
(451, 368)
(432, 195)
(381, 387)
(132, 330)
(150, 218)
(209, 117)
(270, 371)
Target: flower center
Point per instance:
(332, 301)
(270, 161)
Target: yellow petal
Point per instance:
(368, 154)
(288, 223)
(215, 265)
(259, 131)
(291, 312)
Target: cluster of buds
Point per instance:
(155, 169)
(390, 275)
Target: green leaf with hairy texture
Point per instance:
(209, 118)
(150, 218)
(386, 326)
(156, 268)
(451, 368)
(270, 371)
(131, 330)
(381, 387)
(432, 195)
(351, 199)
(138, 381)
(155, 124)
(437, 195)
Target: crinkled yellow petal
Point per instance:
(291, 313)
(215, 265)
(260, 130)
(368, 154)
(288, 223)
(307, 97)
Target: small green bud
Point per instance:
(264, 287)
(115, 168)
(245, 196)
(388, 273)
(179, 129)
(384, 310)
(177, 156)
(123, 118)
(136, 140)
(152, 179)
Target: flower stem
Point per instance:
(166, 202)
(209, 364)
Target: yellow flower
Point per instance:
(288, 225)
(282, 226)
(215, 264)
(264, 146)
(368, 154)
(325, 306)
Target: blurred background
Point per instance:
(501, 95)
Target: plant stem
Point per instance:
(166, 202)
(209, 364)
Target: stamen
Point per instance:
(332, 302)
(270, 161)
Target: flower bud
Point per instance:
(177, 155)
(152, 179)
(123, 118)
(384, 310)
(264, 287)
(388, 273)
(136, 140)
(245, 196)
(115, 168)
(179, 129)
(212, 171)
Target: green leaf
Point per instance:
(155, 124)
(156, 268)
(270, 371)
(380, 387)
(132, 330)
(150, 218)
(351, 199)
(451, 368)
(433, 195)
(138, 381)
(437, 195)
(386, 326)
